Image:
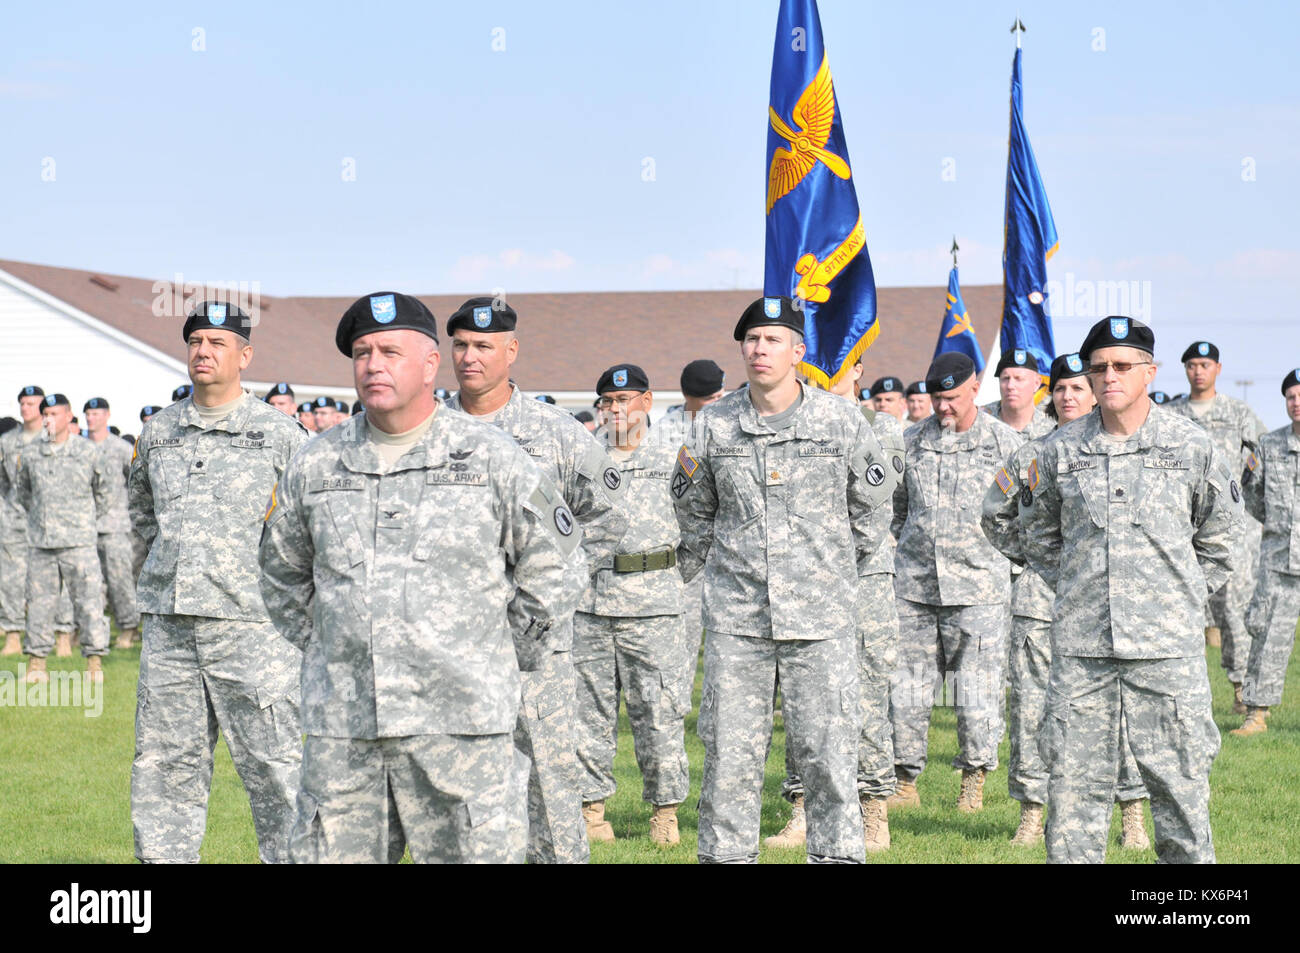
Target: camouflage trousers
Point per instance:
(877, 658)
(1226, 608)
(453, 799)
(693, 629)
(13, 583)
(1273, 616)
(643, 658)
(139, 553)
(1031, 660)
(76, 569)
(115, 560)
(819, 698)
(198, 677)
(1166, 703)
(934, 642)
(545, 735)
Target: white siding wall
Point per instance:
(41, 345)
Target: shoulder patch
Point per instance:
(687, 462)
(1033, 475)
(556, 518)
(1004, 482)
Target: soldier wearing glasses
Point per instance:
(1130, 517)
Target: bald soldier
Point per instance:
(1018, 381)
(484, 347)
(419, 560)
(1272, 490)
(1129, 515)
(953, 587)
(1236, 431)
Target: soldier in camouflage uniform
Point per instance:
(483, 347)
(1018, 380)
(1129, 514)
(418, 559)
(13, 519)
(1031, 624)
(1272, 488)
(211, 661)
(63, 489)
(114, 533)
(1235, 430)
(628, 631)
(777, 498)
(918, 403)
(953, 587)
(877, 616)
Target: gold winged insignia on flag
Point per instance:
(960, 322)
(814, 115)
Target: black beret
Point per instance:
(948, 370)
(887, 385)
(1290, 381)
(320, 403)
(441, 393)
(148, 410)
(1016, 357)
(584, 417)
(357, 407)
(623, 377)
(31, 390)
(544, 398)
(484, 314)
(305, 407)
(1200, 349)
(702, 378)
(768, 311)
(916, 387)
(1118, 331)
(217, 316)
(280, 388)
(341, 406)
(114, 431)
(1158, 397)
(1066, 366)
(54, 400)
(95, 403)
(383, 311)
(182, 392)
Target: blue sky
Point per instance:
(525, 167)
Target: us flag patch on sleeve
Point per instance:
(1003, 480)
(687, 462)
(1033, 475)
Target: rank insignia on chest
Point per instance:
(1026, 496)
(1033, 475)
(1003, 480)
(687, 462)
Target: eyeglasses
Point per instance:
(1121, 367)
(605, 403)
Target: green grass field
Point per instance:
(65, 791)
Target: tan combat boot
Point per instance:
(62, 644)
(13, 643)
(663, 825)
(971, 798)
(875, 823)
(795, 833)
(125, 639)
(1213, 637)
(36, 670)
(1133, 832)
(1253, 725)
(95, 668)
(598, 829)
(1030, 831)
(905, 795)
(1238, 703)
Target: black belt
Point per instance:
(645, 562)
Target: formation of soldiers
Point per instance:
(412, 620)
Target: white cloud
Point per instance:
(513, 263)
